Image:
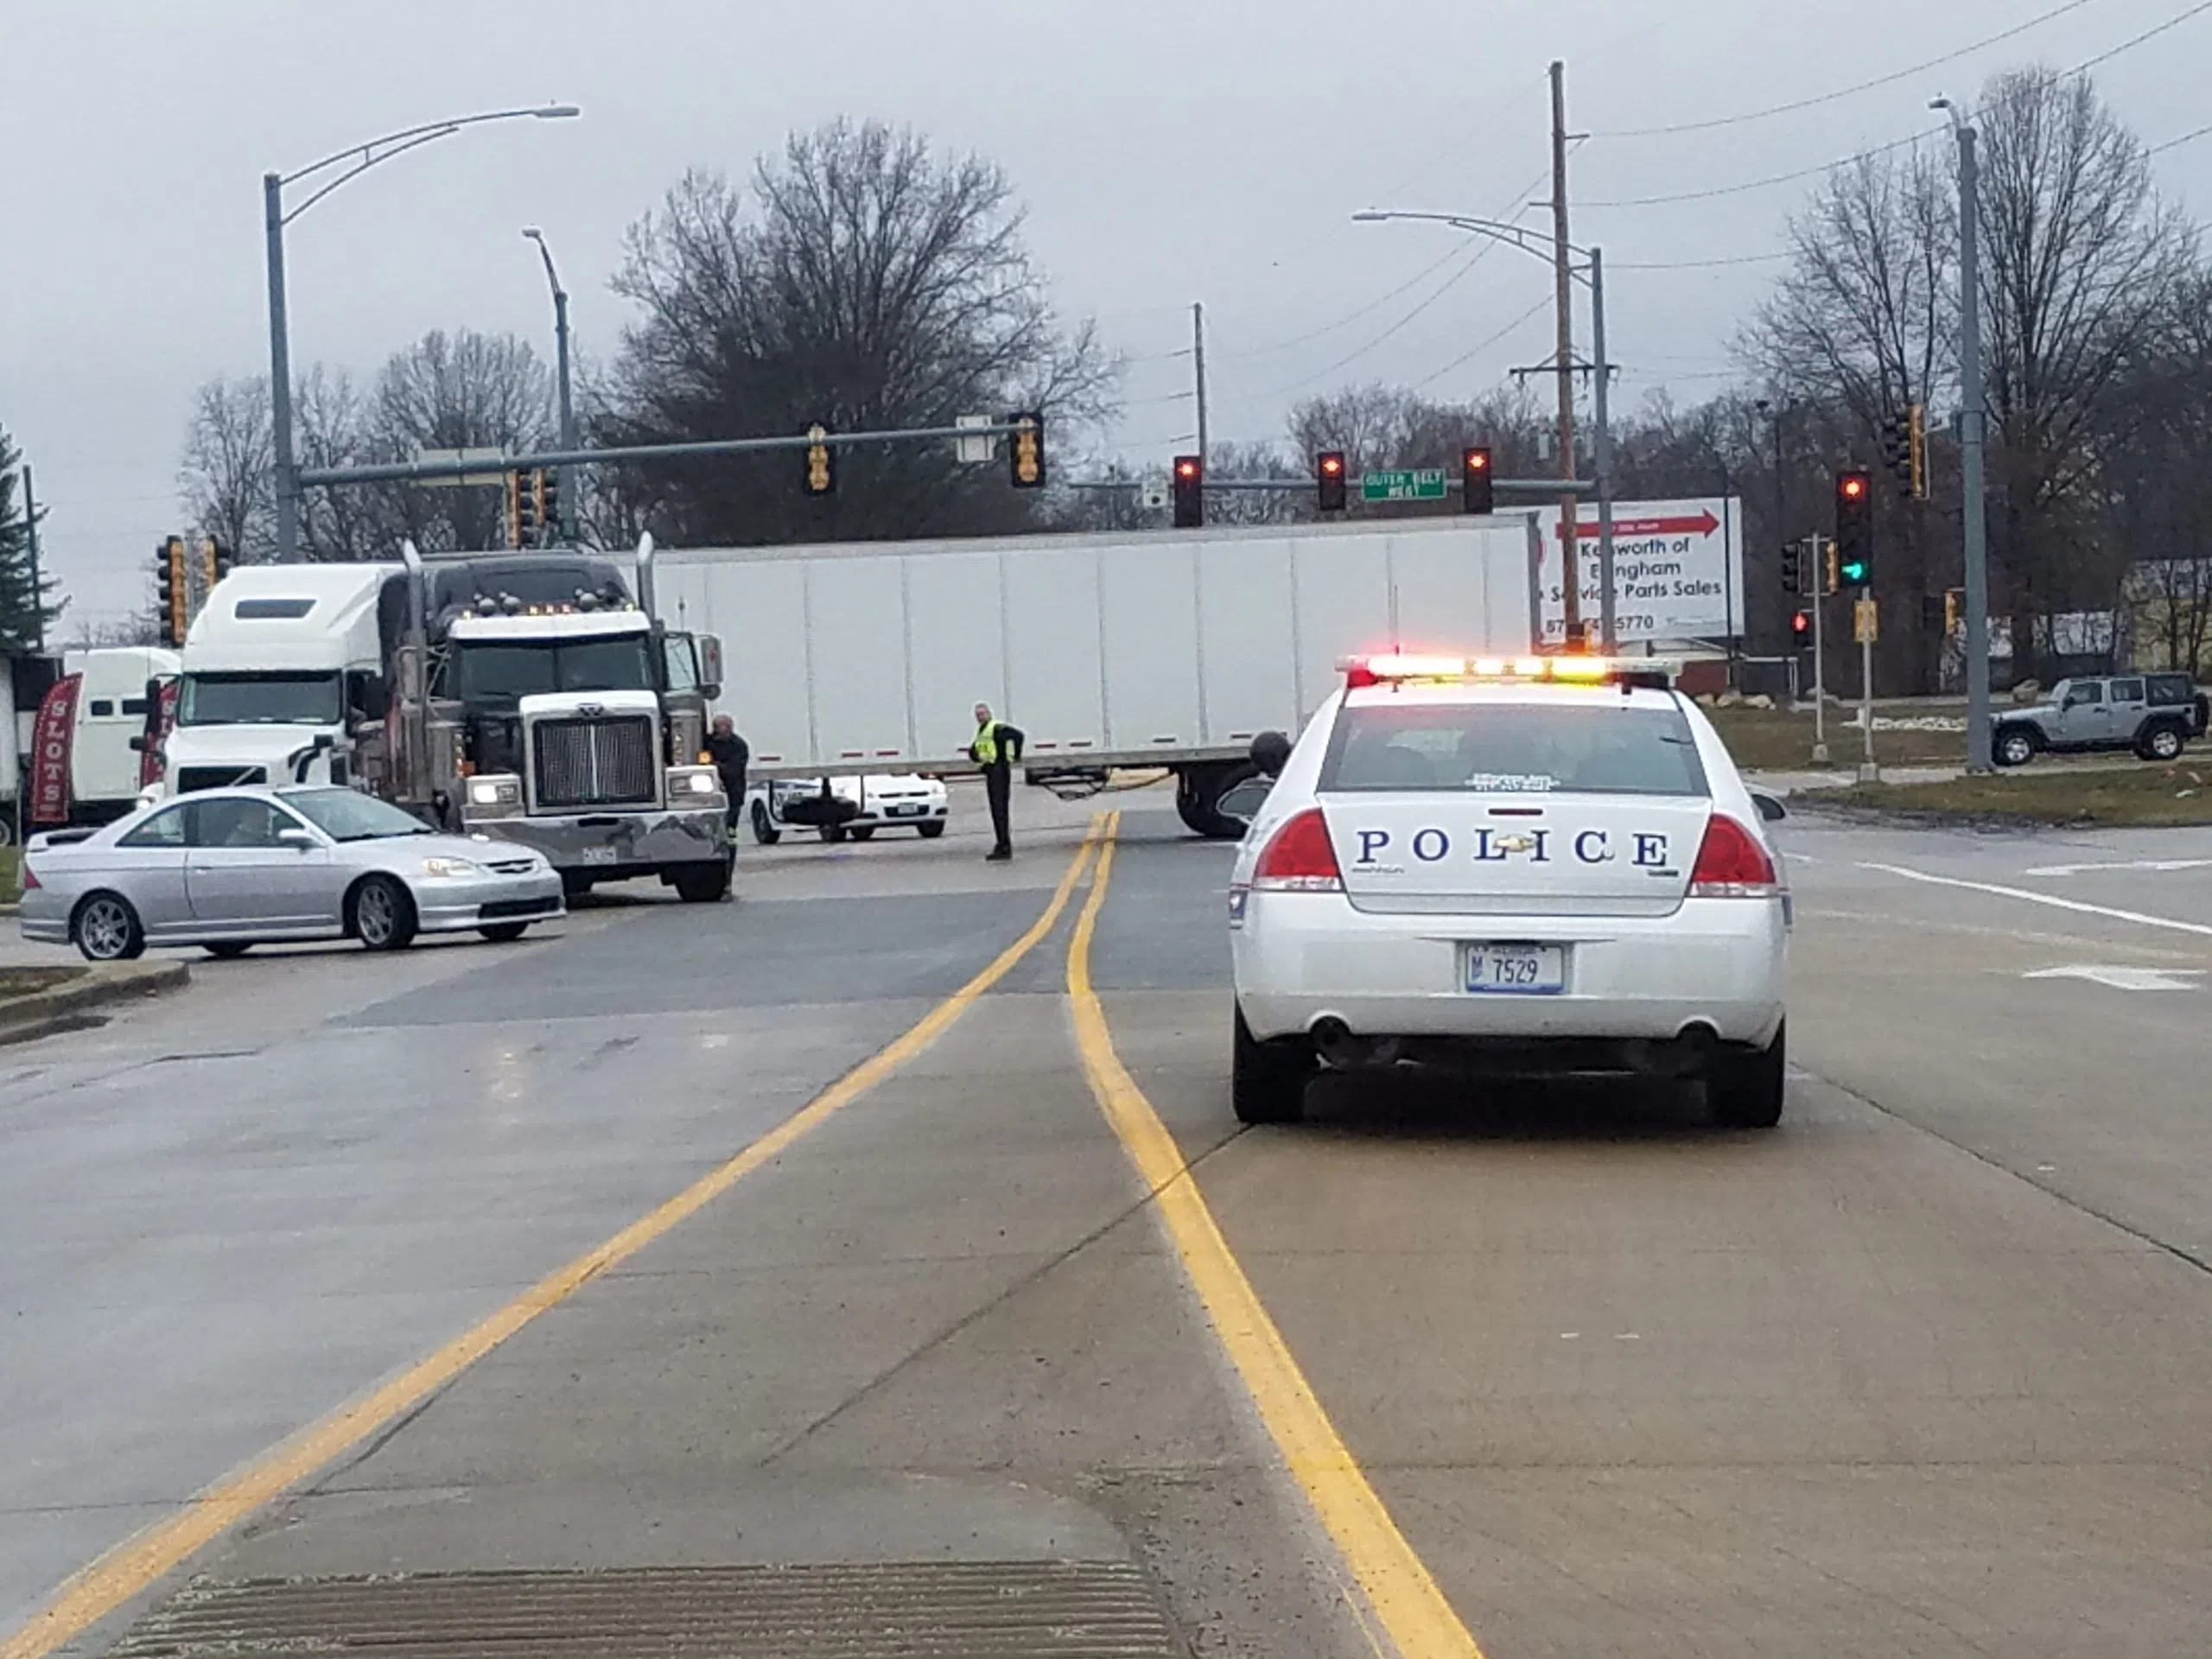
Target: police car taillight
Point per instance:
(1298, 858)
(1732, 864)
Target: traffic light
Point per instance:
(1916, 451)
(172, 601)
(1189, 478)
(821, 462)
(1829, 583)
(1329, 475)
(1475, 465)
(1793, 568)
(1854, 526)
(1025, 452)
(545, 494)
(1953, 600)
(214, 562)
(1896, 449)
(1800, 628)
(516, 508)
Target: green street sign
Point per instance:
(1425, 485)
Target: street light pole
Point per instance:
(1604, 458)
(1973, 437)
(274, 220)
(568, 474)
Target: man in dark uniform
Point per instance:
(732, 755)
(996, 748)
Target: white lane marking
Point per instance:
(2124, 979)
(2052, 900)
(2122, 864)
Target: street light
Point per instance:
(275, 218)
(1593, 275)
(568, 408)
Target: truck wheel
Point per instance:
(228, 950)
(2014, 747)
(832, 833)
(503, 932)
(1744, 1086)
(2164, 741)
(861, 831)
(575, 884)
(764, 827)
(1198, 791)
(703, 884)
(1267, 1081)
(931, 830)
(381, 915)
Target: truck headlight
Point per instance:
(448, 868)
(693, 780)
(498, 792)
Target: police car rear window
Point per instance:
(1513, 749)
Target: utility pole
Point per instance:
(1973, 436)
(1819, 587)
(280, 374)
(1562, 300)
(1199, 370)
(38, 593)
(1602, 372)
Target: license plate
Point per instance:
(1515, 969)
(599, 854)
(913, 811)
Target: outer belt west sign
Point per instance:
(1678, 570)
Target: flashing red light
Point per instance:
(1300, 858)
(1732, 864)
(1332, 463)
(1853, 485)
(1479, 460)
(1186, 468)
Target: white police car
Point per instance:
(1542, 866)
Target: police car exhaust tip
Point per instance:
(1337, 1048)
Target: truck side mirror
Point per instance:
(1271, 752)
(710, 665)
(376, 697)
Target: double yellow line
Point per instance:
(1405, 1599)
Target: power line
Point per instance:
(1774, 179)
(2150, 33)
(2172, 142)
(1819, 98)
(1425, 271)
(1474, 258)
(1476, 351)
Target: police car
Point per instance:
(1526, 866)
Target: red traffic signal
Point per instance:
(1800, 626)
(1189, 476)
(1475, 468)
(1329, 477)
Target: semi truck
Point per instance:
(531, 697)
(1138, 650)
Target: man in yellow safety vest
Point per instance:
(996, 748)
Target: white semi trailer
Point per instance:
(1109, 650)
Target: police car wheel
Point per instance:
(930, 831)
(764, 827)
(1267, 1081)
(1745, 1087)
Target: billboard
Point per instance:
(1678, 571)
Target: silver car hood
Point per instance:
(403, 854)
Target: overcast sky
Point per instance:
(1205, 149)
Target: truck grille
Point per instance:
(611, 762)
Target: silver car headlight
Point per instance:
(447, 868)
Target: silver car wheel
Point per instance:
(104, 929)
(376, 917)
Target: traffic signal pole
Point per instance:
(1972, 435)
(1820, 585)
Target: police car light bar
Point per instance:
(1397, 668)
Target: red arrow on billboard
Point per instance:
(1704, 524)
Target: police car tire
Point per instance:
(931, 831)
(2014, 746)
(1267, 1081)
(861, 831)
(764, 827)
(1746, 1086)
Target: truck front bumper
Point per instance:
(616, 846)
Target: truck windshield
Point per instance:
(503, 673)
(258, 700)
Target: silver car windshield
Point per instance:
(348, 815)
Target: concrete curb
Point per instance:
(24, 1019)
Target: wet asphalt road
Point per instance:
(1922, 1372)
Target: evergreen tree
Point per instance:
(25, 611)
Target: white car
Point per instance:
(866, 805)
(1543, 865)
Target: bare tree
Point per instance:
(226, 481)
(139, 628)
(2080, 261)
(464, 391)
(864, 283)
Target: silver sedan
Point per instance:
(231, 869)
